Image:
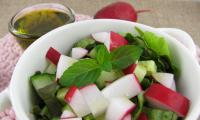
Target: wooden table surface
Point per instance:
(183, 14)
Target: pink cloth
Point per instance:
(10, 52)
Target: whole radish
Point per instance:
(119, 10)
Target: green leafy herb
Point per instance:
(124, 56)
(103, 57)
(158, 50)
(81, 73)
(135, 40)
(140, 104)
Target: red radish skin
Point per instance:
(116, 40)
(127, 117)
(53, 55)
(95, 99)
(130, 69)
(70, 93)
(119, 10)
(77, 102)
(162, 97)
(128, 112)
(143, 116)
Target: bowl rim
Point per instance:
(42, 39)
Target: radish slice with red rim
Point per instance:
(79, 52)
(126, 86)
(63, 64)
(119, 108)
(77, 102)
(95, 99)
(162, 97)
(53, 55)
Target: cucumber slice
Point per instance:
(42, 80)
(46, 88)
(140, 71)
(61, 95)
(45, 113)
(89, 117)
(108, 77)
(158, 114)
(85, 43)
(51, 69)
(150, 66)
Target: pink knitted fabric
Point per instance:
(10, 52)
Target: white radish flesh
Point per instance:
(101, 36)
(67, 114)
(166, 79)
(63, 64)
(95, 99)
(79, 52)
(77, 102)
(127, 86)
(119, 108)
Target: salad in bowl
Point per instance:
(110, 75)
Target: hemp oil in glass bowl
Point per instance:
(33, 22)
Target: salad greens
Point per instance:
(141, 55)
(88, 70)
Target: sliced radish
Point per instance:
(67, 114)
(72, 119)
(101, 36)
(77, 102)
(79, 52)
(162, 97)
(116, 40)
(63, 64)
(119, 108)
(127, 117)
(130, 69)
(53, 55)
(127, 86)
(95, 99)
(111, 39)
(166, 79)
(143, 116)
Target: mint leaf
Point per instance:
(124, 56)
(81, 73)
(101, 54)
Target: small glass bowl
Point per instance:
(26, 39)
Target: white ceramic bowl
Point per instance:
(64, 37)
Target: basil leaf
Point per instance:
(81, 73)
(124, 56)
